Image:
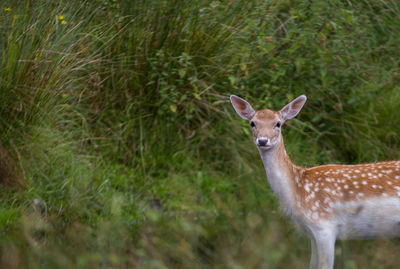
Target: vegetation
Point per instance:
(120, 147)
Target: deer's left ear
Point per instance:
(293, 108)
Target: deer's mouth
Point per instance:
(266, 147)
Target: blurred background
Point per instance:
(120, 148)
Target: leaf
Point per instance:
(173, 108)
(182, 73)
(232, 80)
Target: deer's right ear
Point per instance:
(243, 108)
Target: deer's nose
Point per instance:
(262, 141)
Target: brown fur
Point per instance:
(322, 186)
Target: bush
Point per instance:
(116, 115)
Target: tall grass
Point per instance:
(116, 115)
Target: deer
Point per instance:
(328, 202)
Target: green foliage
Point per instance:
(116, 114)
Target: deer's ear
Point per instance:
(293, 108)
(243, 108)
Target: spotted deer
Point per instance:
(328, 202)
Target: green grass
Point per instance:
(119, 124)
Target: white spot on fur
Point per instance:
(307, 188)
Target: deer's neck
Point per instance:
(281, 173)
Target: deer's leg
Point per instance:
(325, 244)
(314, 254)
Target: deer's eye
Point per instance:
(252, 124)
(278, 124)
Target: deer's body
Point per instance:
(327, 202)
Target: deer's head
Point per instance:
(266, 124)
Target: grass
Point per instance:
(118, 131)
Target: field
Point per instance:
(120, 148)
